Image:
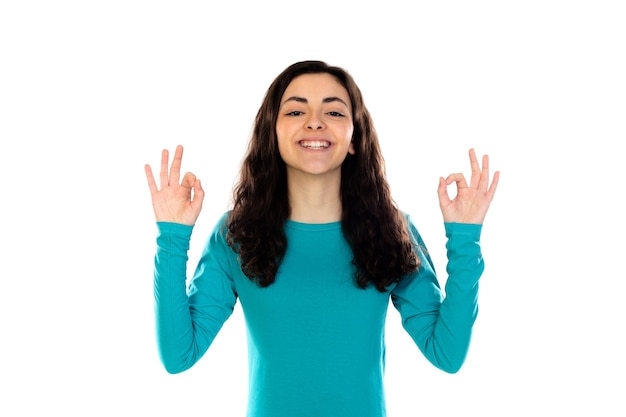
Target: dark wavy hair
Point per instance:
(372, 224)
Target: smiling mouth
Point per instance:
(314, 144)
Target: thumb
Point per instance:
(442, 192)
(198, 196)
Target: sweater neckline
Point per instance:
(312, 227)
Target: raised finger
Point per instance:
(475, 178)
(494, 185)
(163, 175)
(484, 176)
(151, 183)
(176, 164)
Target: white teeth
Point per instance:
(315, 144)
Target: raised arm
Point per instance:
(173, 201)
(187, 318)
(441, 322)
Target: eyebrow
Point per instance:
(325, 100)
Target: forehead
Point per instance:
(316, 86)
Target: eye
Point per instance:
(336, 114)
(295, 113)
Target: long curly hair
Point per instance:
(374, 227)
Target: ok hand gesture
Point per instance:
(175, 202)
(471, 202)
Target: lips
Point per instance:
(314, 144)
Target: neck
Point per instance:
(314, 199)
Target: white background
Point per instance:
(90, 91)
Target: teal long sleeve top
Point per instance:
(316, 342)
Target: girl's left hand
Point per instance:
(471, 202)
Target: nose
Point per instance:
(314, 123)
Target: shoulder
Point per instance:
(220, 228)
(412, 230)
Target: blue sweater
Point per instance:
(315, 340)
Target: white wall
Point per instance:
(90, 91)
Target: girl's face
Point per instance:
(314, 126)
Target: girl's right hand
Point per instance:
(175, 202)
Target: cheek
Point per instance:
(283, 131)
(349, 134)
(280, 143)
(280, 134)
(278, 129)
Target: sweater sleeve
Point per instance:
(189, 318)
(440, 322)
